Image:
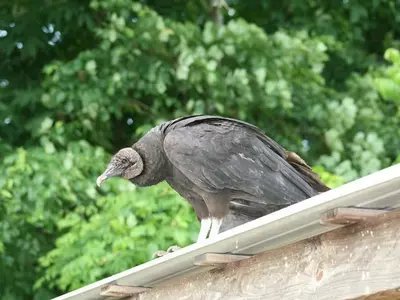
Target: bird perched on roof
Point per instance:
(225, 168)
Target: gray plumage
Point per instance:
(225, 168)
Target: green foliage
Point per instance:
(33, 34)
(331, 180)
(234, 70)
(38, 190)
(132, 226)
(47, 194)
(389, 86)
(81, 79)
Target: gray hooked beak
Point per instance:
(101, 178)
(109, 172)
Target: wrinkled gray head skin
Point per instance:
(127, 164)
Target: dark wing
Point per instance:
(224, 155)
(189, 121)
(292, 158)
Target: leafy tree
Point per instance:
(40, 189)
(388, 84)
(131, 227)
(81, 79)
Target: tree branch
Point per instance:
(217, 15)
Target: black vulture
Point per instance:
(228, 170)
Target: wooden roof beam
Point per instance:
(359, 260)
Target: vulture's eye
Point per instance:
(124, 160)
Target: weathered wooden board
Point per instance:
(353, 261)
(217, 259)
(349, 215)
(120, 291)
(393, 294)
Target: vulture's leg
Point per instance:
(218, 206)
(215, 225)
(205, 226)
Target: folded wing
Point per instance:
(220, 154)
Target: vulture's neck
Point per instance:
(150, 148)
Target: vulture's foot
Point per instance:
(173, 248)
(161, 253)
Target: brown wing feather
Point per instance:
(306, 172)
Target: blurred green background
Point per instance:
(81, 79)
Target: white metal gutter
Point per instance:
(280, 228)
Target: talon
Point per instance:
(159, 253)
(173, 248)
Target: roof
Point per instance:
(291, 224)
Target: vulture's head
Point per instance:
(127, 164)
